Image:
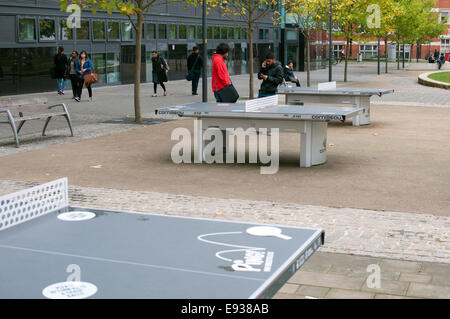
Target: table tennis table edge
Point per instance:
(269, 288)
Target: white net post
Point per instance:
(256, 104)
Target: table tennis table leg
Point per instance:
(305, 144)
(364, 117)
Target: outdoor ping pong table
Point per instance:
(48, 248)
(357, 97)
(309, 121)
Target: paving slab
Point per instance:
(326, 280)
(389, 287)
(428, 291)
(348, 294)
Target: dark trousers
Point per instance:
(74, 83)
(80, 88)
(195, 80)
(155, 86)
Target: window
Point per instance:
(261, 34)
(47, 30)
(291, 35)
(237, 33)
(191, 32)
(162, 31)
(209, 33)
(230, 33)
(99, 61)
(199, 32)
(98, 28)
(83, 31)
(368, 51)
(266, 34)
(113, 31)
(172, 31)
(276, 35)
(244, 34)
(64, 32)
(127, 31)
(182, 32)
(150, 31)
(27, 29)
(224, 33)
(113, 68)
(216, 32)
(445, 41)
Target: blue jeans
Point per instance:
(195, 80)
(265, 94)
(61, 83)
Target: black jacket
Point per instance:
(275, 73)
(191, 61)
(61, 64)
(160, 69)
(289, 74)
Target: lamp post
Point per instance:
(330, 63)
(205, 56)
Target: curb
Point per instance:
(425, 80)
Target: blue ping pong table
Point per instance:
(49, 249)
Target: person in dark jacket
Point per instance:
(441, 61)
(60, 62)
(436, 55)
(272, 75)
(159, 73)
(72, 73)
(289, 75)
(194, 65)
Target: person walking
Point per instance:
(159, 73)
(73, 74)
(220, 76)
(194, 65)
(83, 67)
(60, 60)
(289, 75)
(271, 73)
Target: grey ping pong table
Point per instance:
(49, 249)
(357, 97)
(309, 121)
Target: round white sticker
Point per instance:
(70, 290)
(76, 216)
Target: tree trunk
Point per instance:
(137, 70)
(386, 53)
(346, 59)
(308, 59)
(250, 62)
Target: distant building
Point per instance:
(33, 29)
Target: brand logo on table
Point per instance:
(244, 258)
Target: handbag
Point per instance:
(228, 94)
(90, 78)
(190, 74)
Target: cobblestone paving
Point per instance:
(407, 236)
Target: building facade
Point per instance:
(32, 30)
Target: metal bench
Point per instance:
(22, 110)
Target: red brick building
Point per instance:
(369, 49)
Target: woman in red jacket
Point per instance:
(220, 77)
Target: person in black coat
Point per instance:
(289, 75)
(159, 73)
(60, 60)
(441, 60)
(271, 73)
(194, 65)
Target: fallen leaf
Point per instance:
(96, 166)
(375, 134)
(331, 144)
(219, 213)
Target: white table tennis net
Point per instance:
(255, 104)
(33, 202)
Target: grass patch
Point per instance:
(441, 77)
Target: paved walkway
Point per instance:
(412, 249)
